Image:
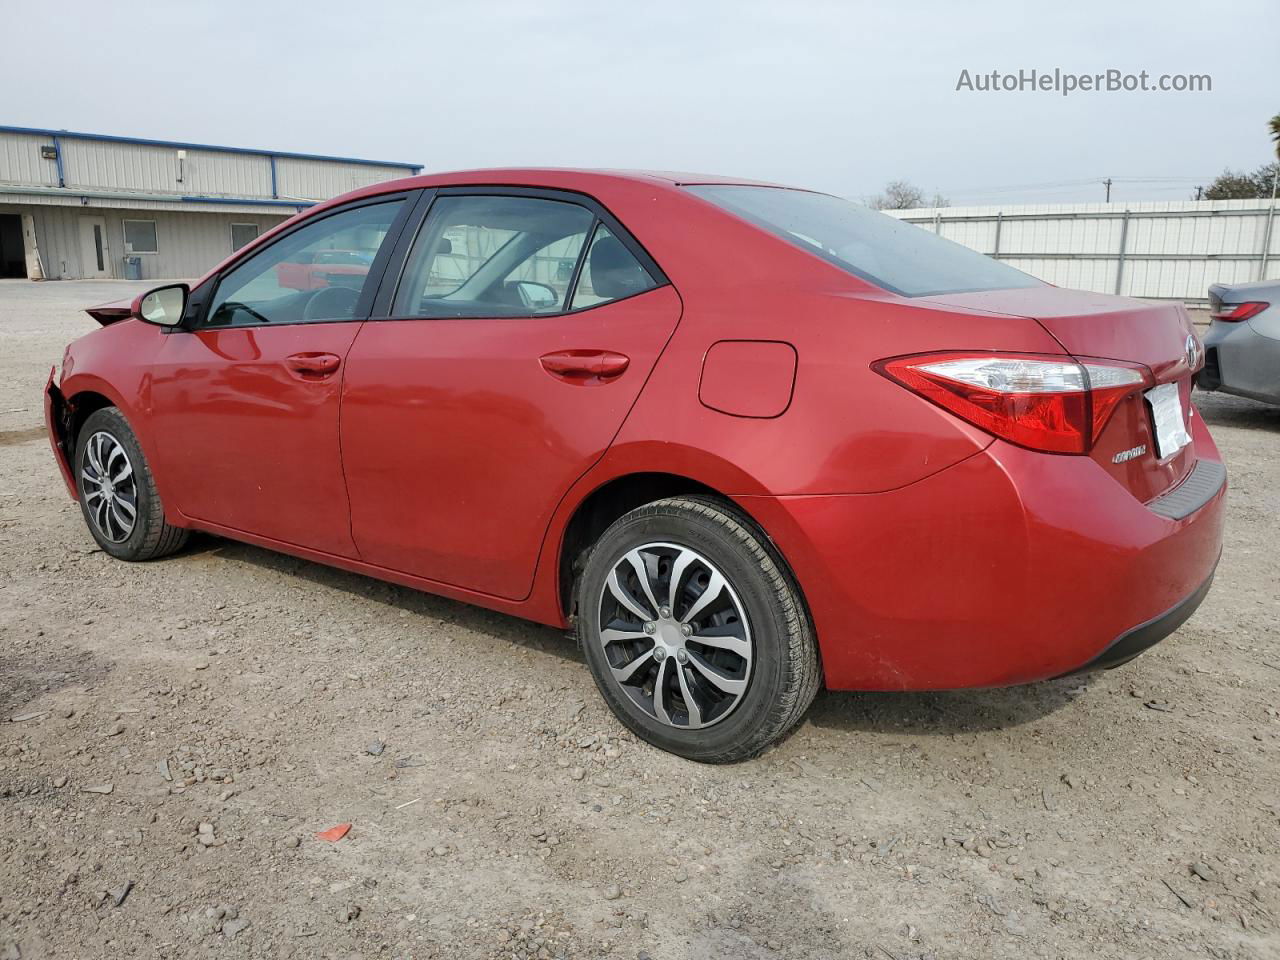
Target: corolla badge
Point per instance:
(1132, 453)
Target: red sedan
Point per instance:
(746, 440)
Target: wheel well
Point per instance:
(605, 505)
(78, 409)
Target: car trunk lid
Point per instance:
(1157, 335)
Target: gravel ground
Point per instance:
(174, 735)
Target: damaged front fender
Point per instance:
(57, 419)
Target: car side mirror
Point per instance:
(535, 295)
(163, 306)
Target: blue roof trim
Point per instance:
(108, 138)
(120, 199)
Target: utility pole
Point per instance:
(1107, 183)
(1266, 234)
(1199, 193)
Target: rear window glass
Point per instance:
(896, 256)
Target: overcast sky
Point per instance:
(837, 96)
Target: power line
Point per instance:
(1028, 186)
(1147, 186)
(1160, 179)
(1058, 185)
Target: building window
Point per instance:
(140, 236)
(243, 233)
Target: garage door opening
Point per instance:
(13, 259)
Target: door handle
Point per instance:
(583, 366)
(312, 364)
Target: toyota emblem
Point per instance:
(1193, 350)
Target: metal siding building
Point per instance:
(78, 205)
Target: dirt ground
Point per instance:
(173, 735)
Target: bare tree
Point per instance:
(901, 195)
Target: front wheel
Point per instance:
(695, 633)
(117, 492)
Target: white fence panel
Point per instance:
(1152, 250)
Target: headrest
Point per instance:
(614, 271)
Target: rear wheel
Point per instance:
(694, 632)
(117, 492)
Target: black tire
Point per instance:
(784, 673)
(149, 536)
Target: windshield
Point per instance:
(896, 256)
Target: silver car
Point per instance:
(1242, 347)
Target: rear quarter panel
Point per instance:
(1267, 323)
(847, 429)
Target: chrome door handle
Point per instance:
(585, 366)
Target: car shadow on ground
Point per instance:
(933, 713)
(944, 712)
(500, 626)
(1224, 410)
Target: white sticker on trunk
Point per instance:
(1166, 411)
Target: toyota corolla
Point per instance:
(746, 440)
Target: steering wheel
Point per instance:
(230, 307)
(331, 303)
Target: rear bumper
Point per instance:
(1142, 638)
(1241, 360)
(1009, 567)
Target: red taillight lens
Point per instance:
(1235, 312)
(1054, 404)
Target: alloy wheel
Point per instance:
(109, 487)
(675, 635)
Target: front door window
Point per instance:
(315, 274)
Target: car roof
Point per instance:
(571, 179)
(552, 178)
(522, 175)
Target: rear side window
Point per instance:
(490, 255)
(610, 272)
(494, 256)
(895, 256)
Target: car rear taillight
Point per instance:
(1054, 404)
(1235, 312)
